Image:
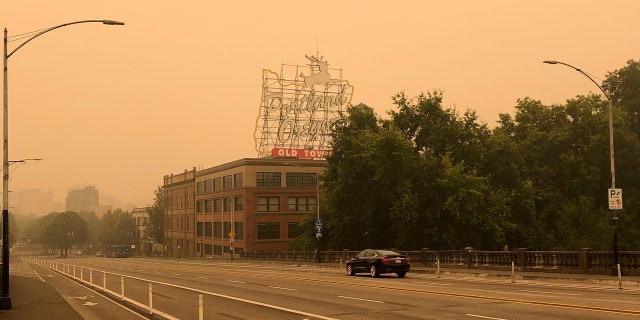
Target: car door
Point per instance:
(361, 262)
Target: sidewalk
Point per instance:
(32, 298)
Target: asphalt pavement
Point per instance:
(34, 298)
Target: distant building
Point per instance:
(244, 205)
(141, 218)
(83, 200)
(33, 202)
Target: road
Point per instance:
(249, 290)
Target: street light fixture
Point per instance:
(23, 161)
(614, 219)
(5, 299)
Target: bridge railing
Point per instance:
(584, 261)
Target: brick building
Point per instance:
(244, 205)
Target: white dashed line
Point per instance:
(360, 299)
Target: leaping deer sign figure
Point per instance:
(319, 77)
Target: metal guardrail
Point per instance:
(584, 261)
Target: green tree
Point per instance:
(35, 231)
(156, 216)
(93, 223)
(116, 227)
(66, 230)
(623, 84)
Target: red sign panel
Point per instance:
(300, 153)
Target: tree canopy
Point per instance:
(430, 178)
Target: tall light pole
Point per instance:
(614, 219)
(5, 299)
(318, 221)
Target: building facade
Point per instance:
(83, 200)
(244, 205)
(141, 236)
(179, 191)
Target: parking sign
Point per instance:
(615, 199)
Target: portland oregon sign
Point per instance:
(299, 108)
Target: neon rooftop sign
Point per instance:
(299, 108)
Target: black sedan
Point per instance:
(376, 262)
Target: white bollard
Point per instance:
(438, 268)
(74, 271)
(619, 277)
(200, 308)
(81, 277)
(104, 281)
(150, 299)
(90, 277)
(122, 288)
(513, 271)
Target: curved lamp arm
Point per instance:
(108, 22)
(583, 73)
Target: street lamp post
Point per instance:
(318, 221)
(614, 219)
(5, 299)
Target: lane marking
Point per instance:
(433, 283)
(235, 281)
(483, 317)
(361, 299)
(281, 288)
(37, 274)
(549, 292)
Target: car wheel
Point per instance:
(401, 274)
(350, 271)
(374, 272)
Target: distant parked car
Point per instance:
(376, 262)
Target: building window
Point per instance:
(217, 205)
(200, 229)
(238, 203)
(227, 182)
(268, 204)
(303, 204)
(199, 187)
(217, 230)
(208, 186)
(227, 229)
(239, 231)
(199, 206)
(301, 179)
(208, 205)
(237, 180)
(207, 229)
(293, 230)
(227, 204)
(217, 184)
(270, 230)
(268, 179)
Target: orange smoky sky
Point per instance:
(179, 85)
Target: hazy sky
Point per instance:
(178, 86)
